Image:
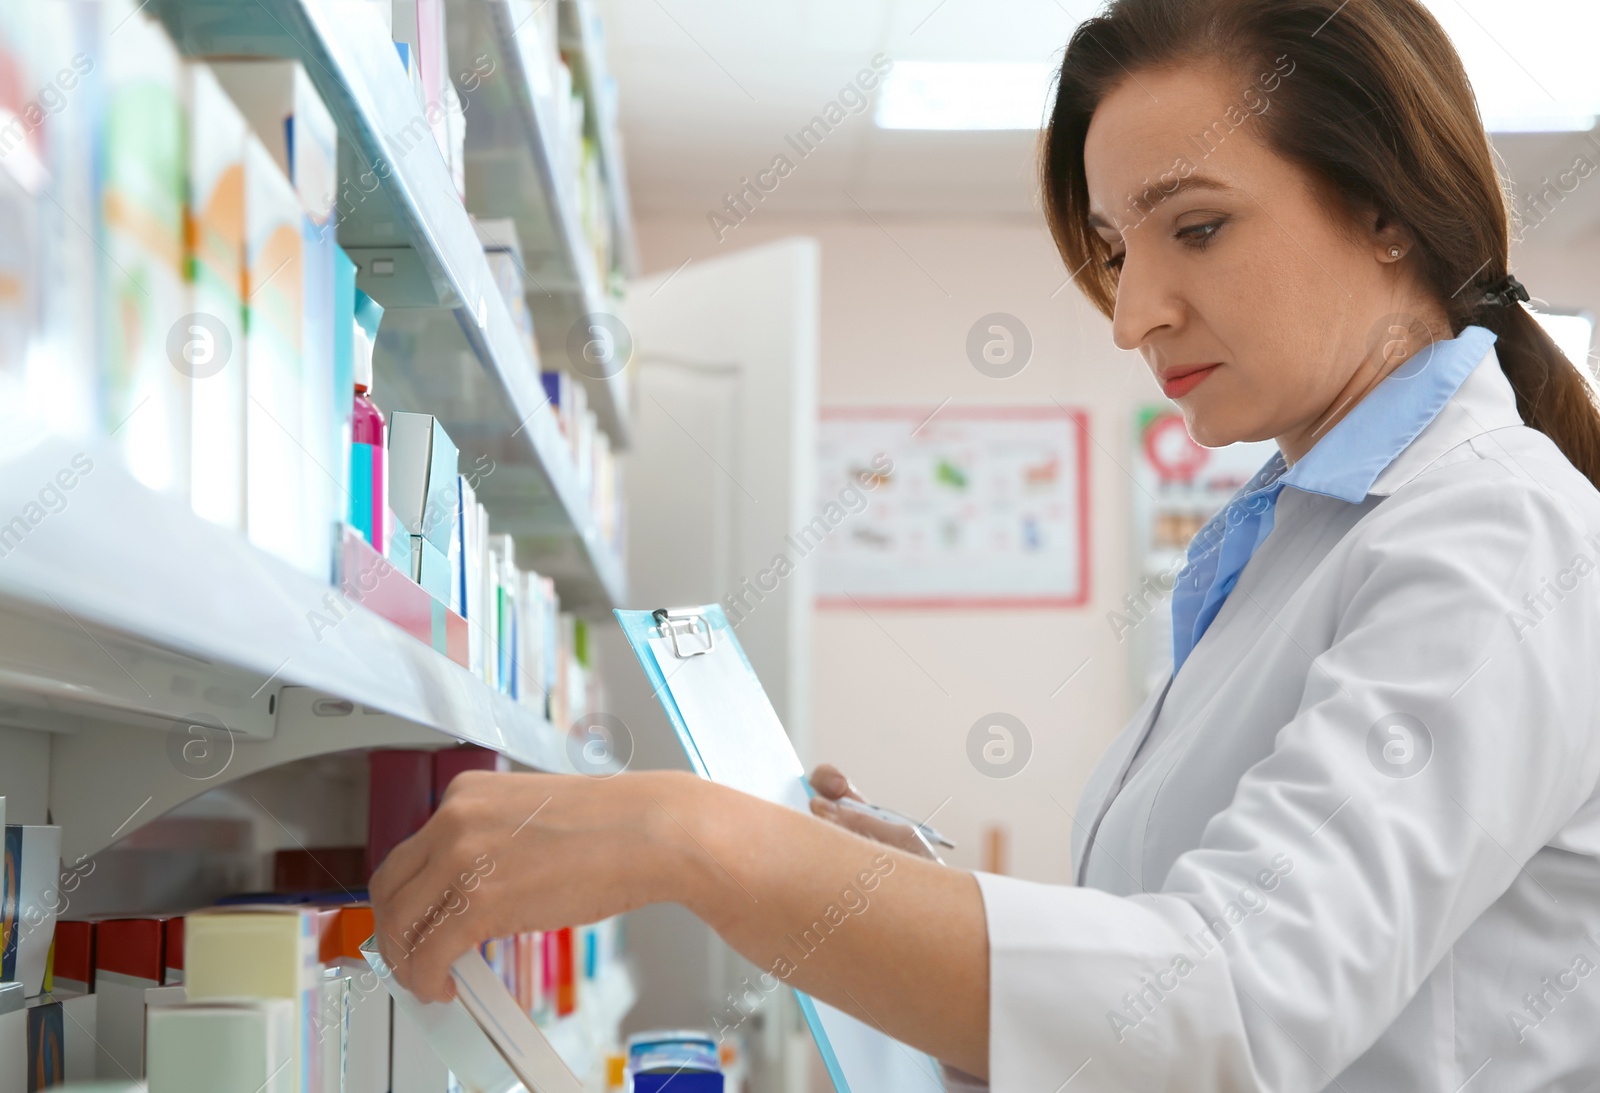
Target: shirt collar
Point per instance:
(1421, 410)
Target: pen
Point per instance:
(895, 818)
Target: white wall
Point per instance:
(894, 694)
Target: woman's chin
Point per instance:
(1210, 430)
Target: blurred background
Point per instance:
(405, 340)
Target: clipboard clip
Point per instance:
(691, 634)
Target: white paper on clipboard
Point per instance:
(735, 729)
(742, 744)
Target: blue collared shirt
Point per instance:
(1343, 464)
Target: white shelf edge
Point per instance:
(161, 592)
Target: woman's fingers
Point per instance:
(506, 853)
(425, 922)
(884, 831)
(830, 782)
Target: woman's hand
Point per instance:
(505, 853)
(808, 902)
(831, 785)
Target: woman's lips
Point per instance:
(1175, 387)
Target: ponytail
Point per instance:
(1553, 396)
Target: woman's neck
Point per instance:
(1392, 347)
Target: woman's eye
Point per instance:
(1199, 236)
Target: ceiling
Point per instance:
(711, 89)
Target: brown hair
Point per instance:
(1378, 108)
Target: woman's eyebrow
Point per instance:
(1140, 204)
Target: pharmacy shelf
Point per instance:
(125, 619)
(580, 33)
(516, 169)
(583, 1038)
(402, 221)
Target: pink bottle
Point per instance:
(369, 436)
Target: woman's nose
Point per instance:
(1145, 304)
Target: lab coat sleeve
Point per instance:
(1445, 733)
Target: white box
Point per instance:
(243, 1046)
(293, 124)
(217, 261)
(80, 1021)
(367, 1040)
(142, 168)
(13, 1039)
(274, 257)
(119, 1025)
(284, 110)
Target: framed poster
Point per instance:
(1180, 486)
(966, 507)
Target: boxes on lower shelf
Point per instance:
(275, 998)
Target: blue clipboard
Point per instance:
(732, 735)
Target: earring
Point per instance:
(1395, 251)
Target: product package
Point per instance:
(286, 113)
(344, 314)
(400, 800)
(130, 958)
(262, 952)
(13, 1039)
(422, 478)
(73, 962)
(366, 1003)
(369, 445)
(449, 762)
(232, 1046)
(213, 345)
(143, 175)
(23, 174)
(61, 373)
(274, 289)
(31, 898)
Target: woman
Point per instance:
(1353, 841)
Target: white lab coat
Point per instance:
(1372, 925)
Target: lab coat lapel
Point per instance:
(1103, 785)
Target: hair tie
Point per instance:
(1507, 292)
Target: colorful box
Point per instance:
(143, 171)
(215, 341)
(400, 799)
(73, 957)
(367, 1007)
(344, 313)
(274, 294)
(432, 569)
(384, 588)
(284, 110)
(62, 373)
(30, 901)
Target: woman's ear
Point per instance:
(1390, 241)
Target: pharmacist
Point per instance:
(1352, 843)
